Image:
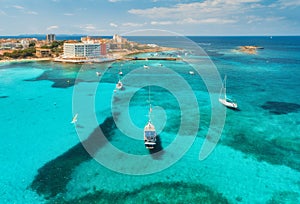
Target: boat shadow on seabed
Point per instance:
(157, 151)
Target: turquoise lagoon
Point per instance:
(257, 159)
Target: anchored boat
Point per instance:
(149, 130)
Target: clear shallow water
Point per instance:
(256, 161)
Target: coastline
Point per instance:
(25, 60)
(114, 56)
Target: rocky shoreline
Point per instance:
(249, 49)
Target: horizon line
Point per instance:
(237, 35)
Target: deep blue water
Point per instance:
(256, 160)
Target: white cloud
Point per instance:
(207, 20)
(207, 11)
(113, 25)
(2, 13)
(129, 24)
(161, 22)
(90, 27)
(256, 19)
(18, 7)
(24, 10)
(53, 27)
(288, 3)
(114, 1)
(68, 14)
(32, 13)
(195, 21)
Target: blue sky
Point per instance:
(186, 17)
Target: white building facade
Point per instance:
(82, 50)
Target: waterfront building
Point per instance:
(103, 49)
(82, 50)
(42, 52)
(50, 37)
(118, 39)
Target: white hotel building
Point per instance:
(82, 50)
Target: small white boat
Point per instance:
(74, 120)
(149, 130)
(149, 135)
(229, 103)
(191, 72)
(146, 66)
(120, 73)
(98, 73)
(119, 85)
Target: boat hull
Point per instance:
(228, 104)
(150, 145)
(149, 136)
(119, 85)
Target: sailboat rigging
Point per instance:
(229, 103)
(120, 70)
(149, 129)
(119, 85)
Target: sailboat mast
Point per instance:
(150, 108)
(225, 87)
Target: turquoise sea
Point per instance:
(102, 159)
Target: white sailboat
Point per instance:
(229, 103)
(119, 85)
(120, 70)
(74, 119)
(149, 130)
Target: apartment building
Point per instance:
(82, 50)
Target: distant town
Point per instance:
(87, 49)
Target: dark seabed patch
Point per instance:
(158, 151)
(177, 192)
(3, 96)
(280, 108)
(264, 150)
(53, 177)
(60, 82)
(285, 197)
